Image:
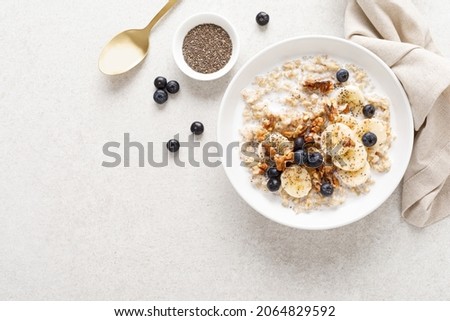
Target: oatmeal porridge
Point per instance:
(315, 130)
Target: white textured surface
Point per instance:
(71, 229)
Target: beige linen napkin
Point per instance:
(396, 32)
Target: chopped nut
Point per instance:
(316, 185)
(317, 179)
(315, 129)
(272, 152)
(263, 166)
(309, 138)
(323, 86)
(318, 121)
(316, 125)
(316, 174)
(331, 112)
(261, 135)
(306, 110)
(292, 101)
(301, 129)
(282, 160)
(269, 123)
(335, 181)
(288, 133)
(256, 170)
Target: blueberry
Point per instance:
(299, 142)
(369, 139)
(262, 18)
(300, 157)
(197, 128)
(274, 184)
(326, 189)
(314, 160)
(342, 75)
(173, 87)
(369, 111)
(173, 145)
(272, 172)
(160, 82)
(160, 96)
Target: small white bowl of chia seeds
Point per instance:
(206, 46)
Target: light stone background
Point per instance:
(73, 230)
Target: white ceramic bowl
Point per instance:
(355, 207)
(190, 23)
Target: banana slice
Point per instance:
(353, 159)
(333, 137)
(356, 178)
(296, 181)
(352, 96)
(376, 126)
(349, 121)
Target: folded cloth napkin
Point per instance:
(397, 33)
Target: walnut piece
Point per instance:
(317, 179)
(263, 166)
(261, 134)
(270, 122)
(309, 138)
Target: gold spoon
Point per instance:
(126, 50)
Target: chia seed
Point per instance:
(207, 48)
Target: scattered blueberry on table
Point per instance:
(197, 128)
(369, 139)
(160, 96)
(369, 111)
(173, 145)
(160, 82)
(342, 75)
(274, 184)
(172, 87)
(326, 189)
(262, 18)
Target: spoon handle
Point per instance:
(160, 14)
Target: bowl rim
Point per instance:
(408, 113)
(203, 18)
